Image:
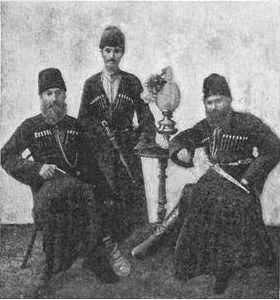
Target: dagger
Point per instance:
(112, 138)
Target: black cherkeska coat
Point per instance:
(95, 107)
(60, 203)
(223, 228)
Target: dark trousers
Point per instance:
(120, 202)
(64, 207)
(222, 230)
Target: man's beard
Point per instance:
(53, 113)
(217, 118)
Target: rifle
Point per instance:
(161, 229)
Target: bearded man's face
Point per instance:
(53, 105)
(217, 108)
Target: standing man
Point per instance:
(223, 228)
(53, 171)
(109, 101)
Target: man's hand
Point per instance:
(162, 141)
(47, 171)
(244, 181)
(149, 95)
(184, 155)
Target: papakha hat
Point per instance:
(50, 78)
(112, 36)
(215, 84)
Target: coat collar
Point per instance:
(122, 85)
(110, 76)
(123, 81)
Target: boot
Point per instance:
(42, 288)
(119, 263)
(221, 283)
(98, 263)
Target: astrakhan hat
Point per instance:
(215, 84)
(50, 78)
(112, 36)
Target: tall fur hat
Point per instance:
(112, 36)
(215, 84)
(50, 78)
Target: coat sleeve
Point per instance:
(146, 120)
(87, 162)
(96, 145)
(92, 132)
(24, 170)
(83, 111)
(268, 145)
(189, 139)
(83, 153)
(87, 137)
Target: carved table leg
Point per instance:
(163, 162)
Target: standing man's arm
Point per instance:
(145, 118)
(24, 170)
(93, 133)
(83, 111)
(268, 145)
(88, 125)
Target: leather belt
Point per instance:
(125, 130)
(238, 162)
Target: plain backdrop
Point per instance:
(240, 40)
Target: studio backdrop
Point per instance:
(239, 40)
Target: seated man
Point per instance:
(61, 199)
(223, 228)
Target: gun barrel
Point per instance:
(161, 229)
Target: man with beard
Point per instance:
(223, 229)
(61, 199)
(113, 96)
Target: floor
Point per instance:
(151, 277)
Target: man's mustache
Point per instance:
(217, 112)
(54, 104)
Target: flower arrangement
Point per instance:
(155, 83)
(153, 86)
(162, 90)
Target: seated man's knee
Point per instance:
(54, 196)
